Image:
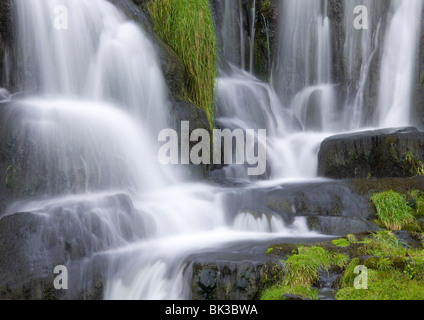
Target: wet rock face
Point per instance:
(230, 280)
(335, 207)
(32, 244)
(372, 154)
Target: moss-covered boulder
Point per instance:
(373, 154)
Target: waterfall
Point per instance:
(302, 70)
(101, 56)
(398, 63)
(93, 97)
(92, 100)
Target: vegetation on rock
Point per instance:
(187, 26)
(392, 210)
(395, 267)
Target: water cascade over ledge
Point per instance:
(91, 100)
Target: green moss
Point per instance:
(282, 249)
(382, 244)
(187, 26)
(395, 270)
(392, 210)
(303, 268)
(413, 164)
(342, 242)
(383, 285)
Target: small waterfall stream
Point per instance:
(93, 99)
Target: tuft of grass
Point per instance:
(302, 270)
(392, 210)
(395, 271)
(384, 243)
(416, 167)
(304, 267)
(187, 26)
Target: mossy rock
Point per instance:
(373, 154)
(281, 250)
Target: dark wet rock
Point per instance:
(230, 280)
(69, 234)
(372, 154)
(293, 297)
(241, 271)
(333, 207)
(183, 110)
(340, 225)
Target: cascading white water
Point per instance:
(302, 70)
(303, 84)
(360, 49)
(100, 97)
(101, 56)
(306, 100)
(94, 98)
(398, 63)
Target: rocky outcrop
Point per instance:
(227, 280)
(68, 234)
(183, 110)
(330, 207)
(372, 154)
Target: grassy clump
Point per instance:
(415, 166)
(384, 243)
(392, 210)
(302, 272)
(187, 26)
(384, 285)
(416, 201)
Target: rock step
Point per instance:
(382, 153)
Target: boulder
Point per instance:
(183, 110)
(68, 233)
(372, 154)
(331, 207)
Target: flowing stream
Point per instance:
(93, 99)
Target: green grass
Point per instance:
(341, 242)
(384, 243)
(395, 271)
(302, 270)
(384, 285)
(416, 199)
(187, 26)
(416, 167)
(392, 210)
